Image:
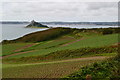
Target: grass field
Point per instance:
(47, 47)
(10, 48)
(45, 70)
(58, 57)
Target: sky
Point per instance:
(67, 11)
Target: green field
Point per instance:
(55, 45)
(66, 53)
(10, 48)
(44, 70)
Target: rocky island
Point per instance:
(35, 24)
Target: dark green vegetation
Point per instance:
(58, 52)
(108, 70)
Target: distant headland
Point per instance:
(36, 24)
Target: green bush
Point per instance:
(107, 31)
(107, 70)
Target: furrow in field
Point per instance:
(15, 54)
(55, 69)
(24, 47)
(71, 60)
(72, 42)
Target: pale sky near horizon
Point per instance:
(60, 11)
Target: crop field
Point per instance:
(96, 41)
(47, 47)
(9, 48)
(45, 70)
(40, 48)
(66, 53)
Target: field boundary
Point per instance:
(24, 47)
(16, 54)
(70, 60)
(73, 42)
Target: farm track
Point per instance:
(72, 42)
(70, 60)
(20, 49)
(77, 59)
(24, 47)
(16, 54)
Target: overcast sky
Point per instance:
(60, 11)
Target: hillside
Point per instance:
(53, 33)
(59, 52)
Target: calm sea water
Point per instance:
(13, 31)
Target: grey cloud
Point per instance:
(64, 11)
(100, 5)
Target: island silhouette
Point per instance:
(33, 23)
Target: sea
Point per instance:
(13, 31)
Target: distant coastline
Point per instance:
(21, 30)
(82, 23)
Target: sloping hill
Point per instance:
(41, 35)
(53, 33)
